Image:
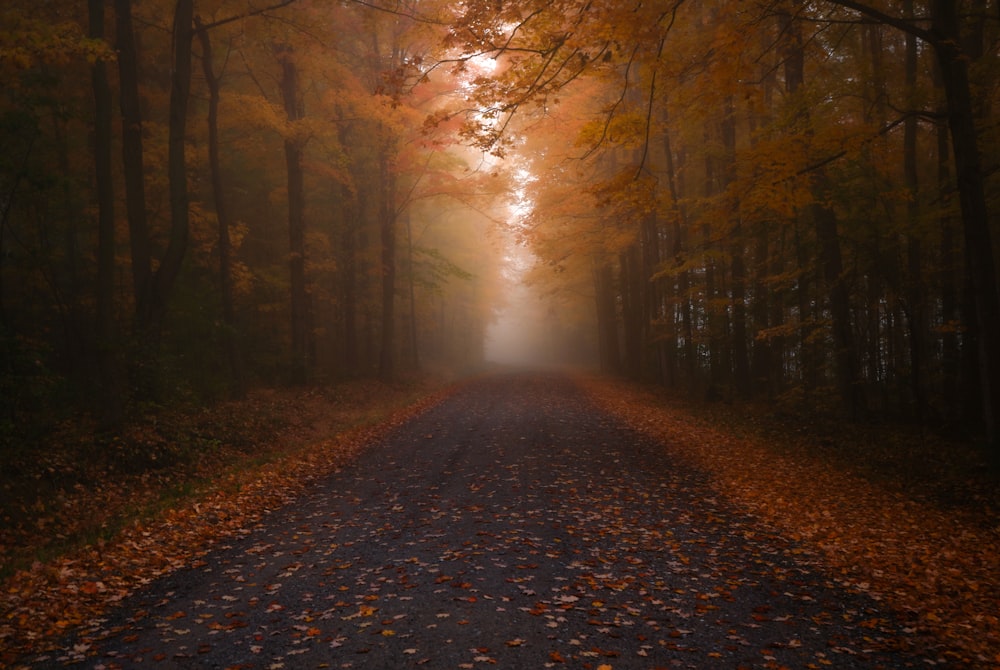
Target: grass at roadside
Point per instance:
(91, 521)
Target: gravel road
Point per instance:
(514, 525)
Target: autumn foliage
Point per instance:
(765, 201)
(760, 199)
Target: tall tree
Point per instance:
(231, 344)
(945, 36)
(133, 164)
(301, 364)
(106, 331)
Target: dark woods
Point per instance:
(776, 200)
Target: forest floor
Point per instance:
(145, 500)
(909, 520)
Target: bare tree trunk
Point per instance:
(946, 37)
(106, 332)
(348, 282)
(714, 322)
(739, 347)
(979, 250)
(387, 236)
(675, 183)
(824, 222)
(948, 265)
(653, 299)
(607, 318)
(414, 346)
(180, 94)
(229, 339)
(914, 252)
(675, 248)
(630, 281)
(133, 164)
(300, 364)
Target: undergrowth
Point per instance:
(73, 486)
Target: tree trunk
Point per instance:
(348, 282)
(180, 94)
(653, 299)
(110, 398)
(824, 222)
(713, 321)
(300, 363)
(387, 237)
(229, 339)
(739, 347)
(845, 357)
(607, 320)
(946, 38)
(915, 294)
(679, 302)
(414, 348)
(948, 264)
(979, 252)
(679, 251)
(133, 164)
(630, 282)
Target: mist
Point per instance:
(538, 331)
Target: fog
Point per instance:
(522, 333)
(539, 331)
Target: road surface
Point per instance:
(514, 525)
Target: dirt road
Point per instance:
(512, 525)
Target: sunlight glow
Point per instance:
(521, 334)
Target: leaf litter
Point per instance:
(42, 603)
(530, 531)
(938, 568)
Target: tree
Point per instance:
(301, 364)
(231, 344)
(110, 404)
(133, 164)
(946, 38)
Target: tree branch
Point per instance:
(889, 20)
(254, 12)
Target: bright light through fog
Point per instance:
(522, 332)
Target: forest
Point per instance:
(776, 200)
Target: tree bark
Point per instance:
(652, 240)
(825, 226)
(387, 237)
(946, 38)
(979, 252)
(230, 342)
(414, 347)
(106, 332)
(915, 283)
(679, 251)
(133, 164)
(300, 363)
(349, 287)
(607, 319)
(717, 375)
(180, 94)
(675, 248)
(948, 266)
(631, 301)
(739, 347)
